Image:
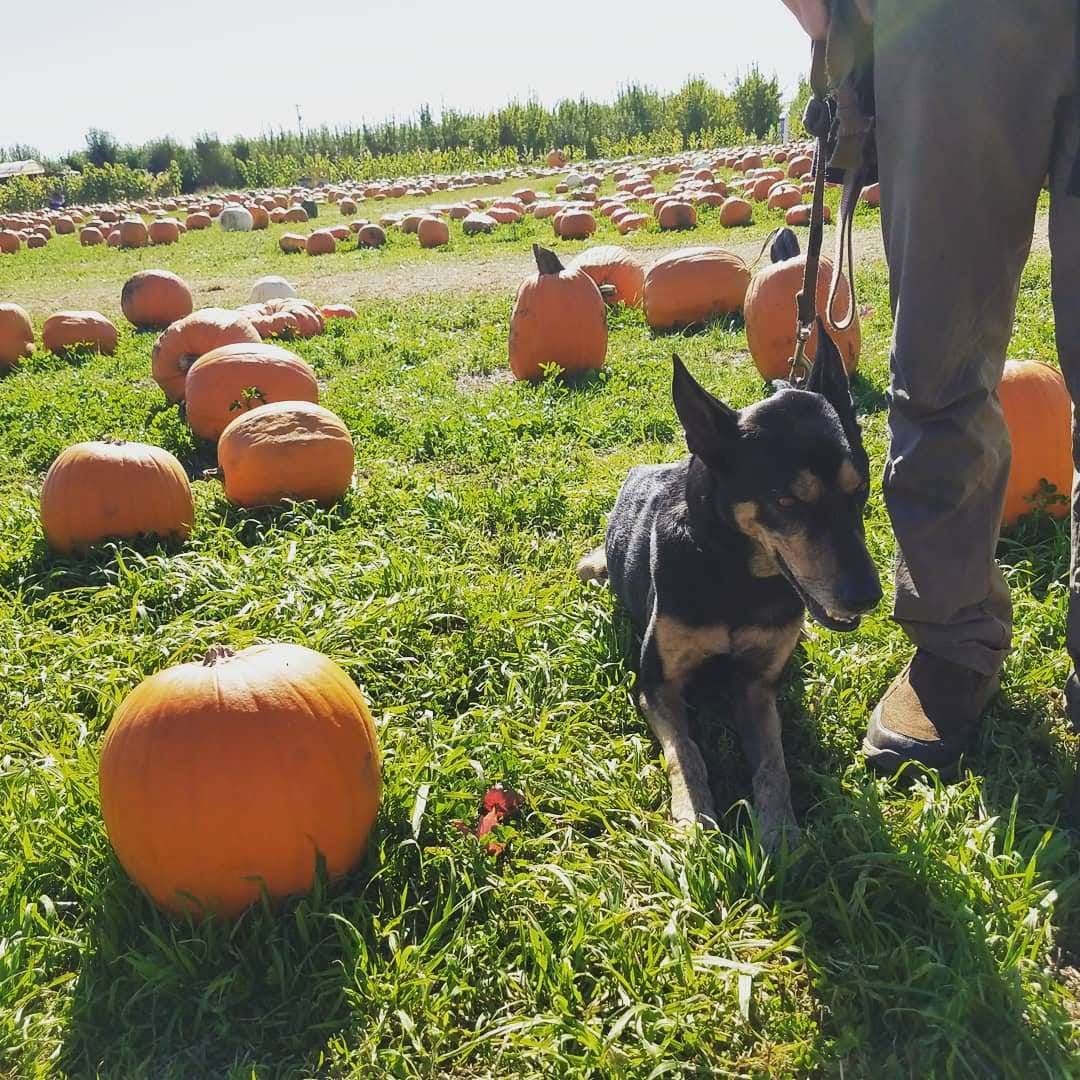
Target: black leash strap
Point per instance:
(818, 121)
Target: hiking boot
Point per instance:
(928, 714)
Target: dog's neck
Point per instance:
(714, 529)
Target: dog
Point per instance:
(718, 557)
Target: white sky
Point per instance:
(141, 70)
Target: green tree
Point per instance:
(797, 108)
(101, 147)
(757, 102)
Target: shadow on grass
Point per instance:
(868, 397)
(922, 961)
(916, 945)
(172, 999)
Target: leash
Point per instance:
(817, 119)
(824, 119)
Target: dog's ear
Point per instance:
(712, 428)
(828, 377)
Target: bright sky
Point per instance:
(141, 70)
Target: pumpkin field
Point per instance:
(253, 539)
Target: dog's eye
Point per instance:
(786, 501)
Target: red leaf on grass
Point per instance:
(499, 805)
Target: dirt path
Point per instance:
(504, 273)
(383, 281)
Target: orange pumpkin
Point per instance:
(555, 159)
(321, 242)
(10, 242)
(223, 777)
(574, 224)
(309, 321)
(559, 317)
(90, 236)
(198, 220)
(152, 299)
(800, 215)
(292, 243)
(337, 311)
(735, 211)
(96, 491)
(784, 197)
(237, 378)
(260, 218)
(164, 231)
(692, 285)
(614, 268)
(275, 324)
(67, 329)
(632, 222)
(371, 236)
(432, 232)
(133, 233)
(770, 311)
(285, 450)
(187, 339)
(677, 214)
(16, 335)
(1038, 413)
(871, 195)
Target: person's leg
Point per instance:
(966, 92)
(1065, 269)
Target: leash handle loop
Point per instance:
(817, 120)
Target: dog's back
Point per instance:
(649, 490)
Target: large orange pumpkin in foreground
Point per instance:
(223, 777)
(237, 378)
(189, 338)
(614, 266)
(152, 299)
(559, 317)
(97, 491)
(16, 335)
(771, 317)
(285, 450)
(692, 285)
(1038, 413)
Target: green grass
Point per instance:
(920, 930)
(222, 266)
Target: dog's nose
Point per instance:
(859, 595)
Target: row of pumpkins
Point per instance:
(123, 225)
(560, 318)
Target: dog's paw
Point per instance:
(594, 567)
(687, 813)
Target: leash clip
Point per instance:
(799, 371)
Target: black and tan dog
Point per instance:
(721, 554)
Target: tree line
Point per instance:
(640, 119)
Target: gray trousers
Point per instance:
(975, 105)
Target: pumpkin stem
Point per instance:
(547, 262)
(216, 653)
(186, 361)
(784, 247)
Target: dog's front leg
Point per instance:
(691, 800)
(759, 727)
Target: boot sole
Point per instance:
(888, 762)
